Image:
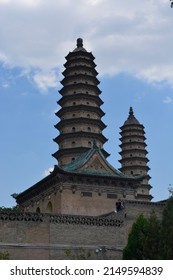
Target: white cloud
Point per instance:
(28, 3)
(3, 58)
(4, 1)
(125, 36)
(5, 85)
(158, 73)
(167, 100)
(48, 171)
(47, 80)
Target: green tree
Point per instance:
(167, 231)
(134, 249)
(80, 254)
(14, 209)
(4, 256)
(152, 240)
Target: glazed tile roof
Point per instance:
(81, 164)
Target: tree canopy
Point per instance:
(13, 209)
(167, 231)
(151, 238)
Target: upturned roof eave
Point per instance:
(38, 184)
(82, 160)
(75, 173)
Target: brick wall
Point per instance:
(46, 236)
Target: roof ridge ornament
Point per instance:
(95, 145)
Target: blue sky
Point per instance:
(132, 42)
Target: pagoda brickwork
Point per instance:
(80, 114)
(134, 161)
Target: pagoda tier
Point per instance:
(80, 78)
(82, 68)
(62, 124)
(133, 151)
(64, 101)
(80, 88)
(80, 113)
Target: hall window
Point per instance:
(38, 210)
(49, 208)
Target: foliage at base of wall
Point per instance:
(78, 254)
(151, 239)
(4, 256)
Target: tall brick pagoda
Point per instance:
(133, 152)
(80, 114)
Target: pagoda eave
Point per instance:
(71, 78)
(89, 63)
(79, 86)
(125, 127)
(131, 143)
(73, 97)
(128, 137)
(137, 158)
(81, 120)
(79, 134)
(80, 108)
(80, 67)
(139, 150)
(83, 54)
(133, 167)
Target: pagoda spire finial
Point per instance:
(131, 111)
(79, 43)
